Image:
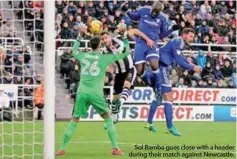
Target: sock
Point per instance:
(152, 111)
(147, 77)
(68, 134)
(125, 94)
(156, 78)
(168, 114)
(111, 132)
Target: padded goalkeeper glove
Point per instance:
(79, 37)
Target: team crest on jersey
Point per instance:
(178, 52)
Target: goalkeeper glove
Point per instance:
(79, 37)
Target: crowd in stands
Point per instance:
(214, 22)
(18, 66)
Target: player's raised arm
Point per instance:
(75, 47)
(137, 32)
(165, 31)
(180, 60)
(135, 15)
(111, 58)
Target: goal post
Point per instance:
(49, 79)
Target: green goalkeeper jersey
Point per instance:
(93, 67)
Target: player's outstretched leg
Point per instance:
(148, 78)
(67, 136)
(124, 95)
(149, 125)
(112, 134)
(168, 115)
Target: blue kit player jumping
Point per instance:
(153, 23)
(170, 54)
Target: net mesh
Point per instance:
(21, 35)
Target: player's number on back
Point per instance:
(90, 69)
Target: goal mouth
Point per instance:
(21, 79)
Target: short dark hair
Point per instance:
(188, 30)
(95, 42)
(104, 33)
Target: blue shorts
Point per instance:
(143, 53)
(164, 83)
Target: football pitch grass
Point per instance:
(90, 141)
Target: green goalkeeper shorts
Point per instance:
(84, 101)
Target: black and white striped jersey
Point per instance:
(125, 64)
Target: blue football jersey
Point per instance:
(170, 54)
(155, 28)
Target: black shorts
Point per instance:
(120, 78)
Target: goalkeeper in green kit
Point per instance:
(90, 91)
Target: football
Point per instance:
(96, 27)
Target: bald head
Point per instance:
(156, 8)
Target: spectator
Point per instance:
(91, 9)
(231, 7)
(5, 110)
(59, 6)
(200, 83)
(111, 24)
(58, 22)
(65, 33)
(38, 79)
(204, 29)
(28, 94)
(187, 79)
(220, 84)
(209, 83)
(201, 59)
(208, 72)
(210, 58)
(64, 59)
(81, 5)
(7, 29)
(233, 78)
(72, 9)
(226, 41)
(180, 84)
(85, 16)
(64, 15)
(219, 60)
(19, 66)
(205, 8)
(100, 10)
(227, 70)
(70, 21)
(231, 84)
(18, 80)
(39, 100)
(174, 77)
(74, 31)
(217, 73)
(198, 20)
(117, 16)
(74, 77)
(223, 8)
(70, 65)
(222, 28)
(215, 8)
(210, 21)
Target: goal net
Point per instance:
(21, 79)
